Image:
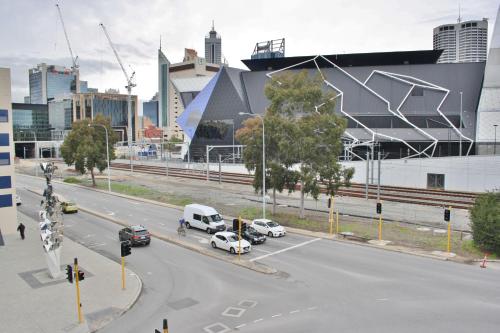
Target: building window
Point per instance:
(417, 91)
(435, 181)
(5, 182)
(5, 200)
(4, 159)
(4, 116)
(4, 139)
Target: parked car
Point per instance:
(229, 241)
(204, 218)
(250, 234)
(268, 227)
(135, 234)
(18, 200)
(69, 207)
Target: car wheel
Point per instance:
(148, 243)
(188, 226)
(214, 245)
(270, 234)
(209, 231)
(232, 250)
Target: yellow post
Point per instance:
(448, 247)
(78, 304)
(239, 237)
(337, 215)
(380, 227)
(165, 326)
(123, 273)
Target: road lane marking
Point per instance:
(260, 250)
(90, 246)
(294, 311)
(257, 320)
(240, 326)
(286, 249)
(312, 308)
(277, 315)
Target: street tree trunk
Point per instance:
(274, 201)
(301, 213)
(93, 177)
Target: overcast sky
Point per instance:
(31, 32)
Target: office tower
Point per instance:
(213, 47)
(462, 41)
(8, 212)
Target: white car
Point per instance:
(268, 227)
(229, 241)
(18, 200)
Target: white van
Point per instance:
(204, 218)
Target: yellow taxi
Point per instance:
(69, 207)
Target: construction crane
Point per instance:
(74, 68)
(129, 86)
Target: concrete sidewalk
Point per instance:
(30, 301)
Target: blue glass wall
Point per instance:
(150, 110)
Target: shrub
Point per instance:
(72, 180)
(485, 222)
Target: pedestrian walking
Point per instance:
(21, 228)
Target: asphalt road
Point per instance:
(322, 286)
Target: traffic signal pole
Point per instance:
(78, 304)
(239, 237)
(123, 273)
(330, 213)
(448, 248)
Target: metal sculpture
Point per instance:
(51, 226)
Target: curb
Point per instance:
(289, 229)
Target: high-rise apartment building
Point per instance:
(48, 82)
(8, 213)
(213, 47)
(462, 42)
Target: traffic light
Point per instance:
(69, 273)
(126, 249)
(329, 202)
(81, 276)
(447, 215)
(379, 208)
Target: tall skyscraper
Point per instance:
(163, 89)
(49, 81)
(462, 42)
(213, 47)
(8, 212)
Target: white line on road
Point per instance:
(294, 311)
(240, 326)
(260, 250)
(277, 315)
(312, 308)
(257, 320)
(286, 249)
(95, 245)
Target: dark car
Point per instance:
(250, 234)
(136, 235)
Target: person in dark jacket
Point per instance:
(21, 228)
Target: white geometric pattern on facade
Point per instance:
(411, 81)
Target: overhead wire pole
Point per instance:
(129, 86)
(74, 67)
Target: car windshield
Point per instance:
(232, 238)
(141, 232)
(215, 218)
(272, 224)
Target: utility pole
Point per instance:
(129, 86)
(460, 144)
(378, 178)
(367, 173)
(495, 144)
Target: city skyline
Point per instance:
(352, 32)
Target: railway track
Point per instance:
(429, 197)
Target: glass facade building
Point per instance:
(30, 122)
(60, 114)
(150, 111)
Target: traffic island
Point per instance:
(49, 305)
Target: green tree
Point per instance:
(85, 146)
(314, 130)
(485, 222)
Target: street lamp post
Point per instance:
(107, 153)
(460, 145)
(263, 161)
(495, 144)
